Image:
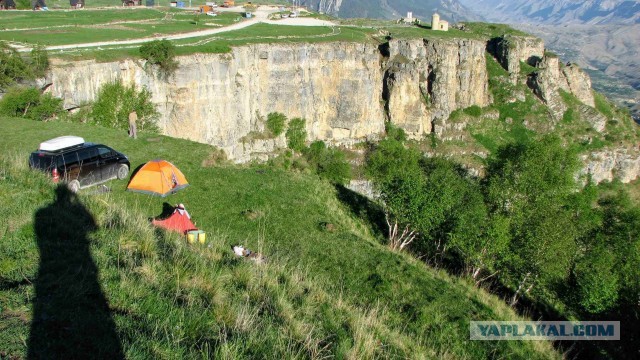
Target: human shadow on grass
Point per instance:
(167, 210)
(71, 315)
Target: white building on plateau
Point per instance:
(409, 19)
(437, 24)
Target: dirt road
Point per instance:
(260, 15)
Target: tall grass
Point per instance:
(172, 299)
(321, 294)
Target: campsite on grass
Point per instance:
(157, 177)
(155, 279)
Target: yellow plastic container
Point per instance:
(191, 237)
(196, 235)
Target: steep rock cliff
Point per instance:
(219, 99)
(552, 77)
(428, 79)
(222, 99)
(546, 82)
(579, 83)
(510, 50)
(606, 165)
(345, 91)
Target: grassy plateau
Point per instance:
(72, 27)
(87, 275)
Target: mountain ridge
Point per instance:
(452, 10)
(562, 12)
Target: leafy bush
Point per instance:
(30, 103)
(296, 134)
(276, 123)
(329, 163)
(597, 281)
(161, 53)
(48, 107)
(39, 60)
(13, 68)
(473, 110)
(114, 103)
(395, 133)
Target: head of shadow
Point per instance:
(71, 314)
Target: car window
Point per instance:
(104, 152)
(41, 161)
(85, 155)
(66, 159)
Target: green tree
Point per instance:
(276, 123)
(13, 68)
(529, 184)
(39, 60)
(30, 103)
(617, 240)
(597, 280)
(114, 103)
(455, 212)
(296, 134)
(397, 176)
(329, 163)
(18, 101)
(161, 53)
(430, 201)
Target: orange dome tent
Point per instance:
(158, 177)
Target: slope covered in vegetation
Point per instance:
(69, 262)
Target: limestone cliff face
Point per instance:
(546, 82)
(622, 164)
(552, 77)
(579, 83)
(510, 50)
(219, 99)
(345, 91)
(427, 79)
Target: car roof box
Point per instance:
(60, 143)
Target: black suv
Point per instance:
(81, 165)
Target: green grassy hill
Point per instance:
(87, 275)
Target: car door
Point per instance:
(89, 169)
(107, 162)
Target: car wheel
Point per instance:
(123, 171)
(74, 186)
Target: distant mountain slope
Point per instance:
(558, 12)
(600, 35)
(449, 9)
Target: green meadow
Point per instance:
(72, 27)
(324, 292)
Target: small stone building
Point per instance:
(437, 24)
(409, 19)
